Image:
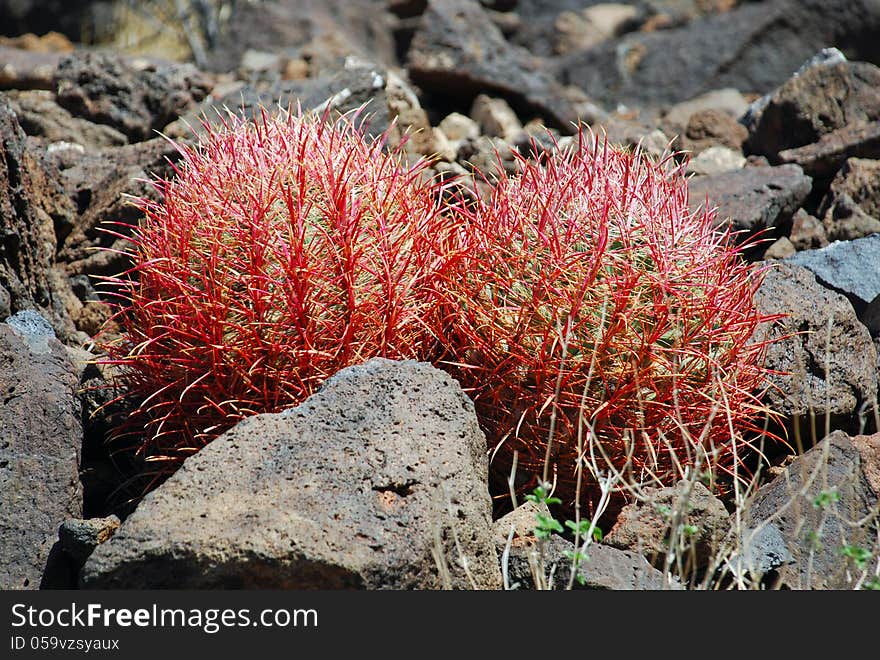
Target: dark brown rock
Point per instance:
(822, 99)
(358, 487)
(753, 198)
(98, 181)
(819, 329)
(816, 506)
(646, 526)
(824, 158)
(807, 232)
(32, 207)
(753, 48)
(851, 208)
(22, 69)
(133, 96)
(458, 52)
(708, 128)
(40, 440)
(40, 116)
(323, 32)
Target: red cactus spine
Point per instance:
(586, 298)
(282, 251)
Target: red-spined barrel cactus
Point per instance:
(282, 251)
(586, 297)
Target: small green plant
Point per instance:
(690, 530)
(814, 539)
(826, 498)
(582, 529)
(547, 525)
(859, 555)
(872, 585)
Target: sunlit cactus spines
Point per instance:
(579, 301)
(282, 251)
(589, 309)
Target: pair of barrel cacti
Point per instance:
(580, 299)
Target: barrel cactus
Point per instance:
(588, 307)
(579, 302)
(281, 251)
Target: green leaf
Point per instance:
(859, 555)
(825, 498)
(583, 527)
(548, 523)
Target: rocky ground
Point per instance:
(778, 104)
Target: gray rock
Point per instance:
(753, 198)
(802, 347)
(606, 567)
(458, 52)
(753, 48)
(763, 550)
(813, 506)
(359, 487)
(848, 267)
(645, 526)
(33, 329)
(40, 439)
(80, 537)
